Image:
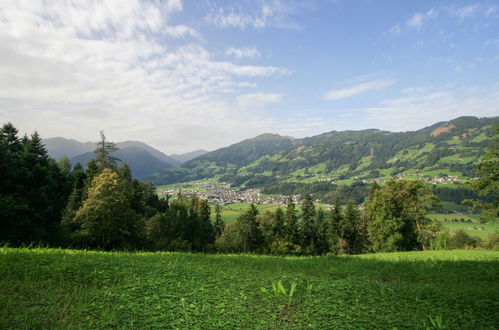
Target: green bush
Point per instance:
(491, 242)
(461, 240)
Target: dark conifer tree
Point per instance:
(333, 227)
(279, 224)
(321, 243)
(291, 230)
(103, 152)
(250, 234)
(219, 223)
(349, 235)
(308, 230)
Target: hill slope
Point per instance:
(59, 147)
(225, 160)
(446, 149)
(140, 161)
(182, 158)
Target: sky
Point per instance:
(185, 75)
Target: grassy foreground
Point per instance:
(51, 288)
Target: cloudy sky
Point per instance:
(182, 75)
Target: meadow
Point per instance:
(470, 225)
(230, 213)
(53, 288)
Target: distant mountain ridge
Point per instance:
(141, 162)
(182, 158)
(445, 148)
(143, 159)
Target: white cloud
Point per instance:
(396, 30)
(418, 19)
(337, 94)
(250, 52)
(420, 107)
(465, 11)
(223, 20)
(123, 67)
(274, 13)
(257, 100)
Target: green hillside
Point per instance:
(443, 154)
(70, 289)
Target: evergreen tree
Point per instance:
(268, 229)
(219, 223)
(333, 227)
(14, 208)
(76, 198)
(291, 230)
(33, 190)
(321, 243)
(249, 231)
(349, 237)
(103, 158)
(279, 231)
(308, 229)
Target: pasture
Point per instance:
(52, 288)
(468, 223)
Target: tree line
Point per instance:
(394, 219)
(100, 206)
(103, 207)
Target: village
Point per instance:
(223, 194)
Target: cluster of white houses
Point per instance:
(223, 193)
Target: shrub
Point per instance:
(461, 240)
(491, 242)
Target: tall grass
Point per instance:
(56, 288)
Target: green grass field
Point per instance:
(473, 228)
(67, 289)
(230, 212)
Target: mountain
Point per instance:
(143, 159)
(141, 162)
(224, 160)
(446, 149)
(59, 147)
(156, 153)
(182, 158)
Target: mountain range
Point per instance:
(143, 159)
(446, 149)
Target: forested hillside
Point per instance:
(447, 149)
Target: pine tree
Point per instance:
(308, 229)
(349, 237)
(33, 190)
(103, 152)
(321, 243)
(219, 223)
(250, 235)
(291, 231)
(333, 227)
(279, 224)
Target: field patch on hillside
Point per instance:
(42, 288)
(470, 224)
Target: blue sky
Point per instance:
(183, 75)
